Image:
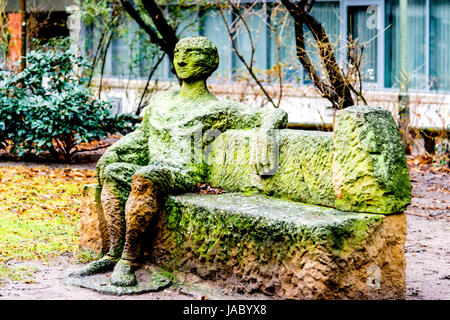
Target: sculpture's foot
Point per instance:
(105, 264)
(123, 274)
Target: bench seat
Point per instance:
(255, 243)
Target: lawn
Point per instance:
(39, 216)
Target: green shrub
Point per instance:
(47, 107)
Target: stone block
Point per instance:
(94, 235)
(289, 250)
(369, 163)
(304, 165)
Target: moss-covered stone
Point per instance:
(369, 163)
(132, 148)
(264, 220)
(281, 247)
(304, 165)
(359, 167)
(195, 58)
(165, 154)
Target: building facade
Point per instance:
(374, 23)
(271, 45)
(46, 19)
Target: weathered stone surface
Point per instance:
(94, 233)
(149, 280)
(304, 165)
(167, 151)
(369, 163)
(360, 167)
(282, 248)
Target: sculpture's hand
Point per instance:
(264, 153)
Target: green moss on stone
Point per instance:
(229, 225)
(132, 149)
(369, 165)
(360, 167)
(304, 172)
(171, 134)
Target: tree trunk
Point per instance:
(337, 90)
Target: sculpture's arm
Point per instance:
(264, 148)
(131, 148)
(241, 116)
(273, 118)
(168, 179)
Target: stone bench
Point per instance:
(278, 247)
(343, 237)
(282, 248)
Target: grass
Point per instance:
(17, 273)
(39, 217)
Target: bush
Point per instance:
(47, 107)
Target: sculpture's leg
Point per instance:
(116, 185)
(150, 185)
(113, 211)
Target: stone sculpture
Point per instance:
(141, 169)
(315, 215)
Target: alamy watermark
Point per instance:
(374, 279)
(373, 20)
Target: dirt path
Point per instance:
(47, 285)
(427, 252)
(427, 247)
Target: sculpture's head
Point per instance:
(195, 58)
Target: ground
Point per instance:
(427, 249)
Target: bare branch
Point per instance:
(129, 7)
(170, 39)
(152, 72)
(340, 89)
(247, 66)
(110, 27)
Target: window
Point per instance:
(364, 22)
(327, 13)
(417, 39)
(212, 27)
(359, 30)
(281, 44)
(255, 20)
(440, 45)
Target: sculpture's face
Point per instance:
(193, 59)
(190, 64)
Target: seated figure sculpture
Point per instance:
(143, 167)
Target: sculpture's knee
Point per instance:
(163, 179)
(117, 177)
(109, 157)
(120, 173)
